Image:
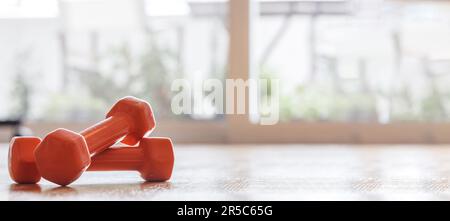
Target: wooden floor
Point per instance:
(266, 172)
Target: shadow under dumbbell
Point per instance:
(37, 189)
(25, 188)
(123, 187)
(88, 191)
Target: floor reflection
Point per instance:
(60, 191)
(19, 191)
(30, 188)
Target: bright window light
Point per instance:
(166, 7)
(28, 9)
(88, 15)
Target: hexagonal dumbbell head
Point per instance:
(21, 164)
(159, 159)
(64, 155)
(141, 115)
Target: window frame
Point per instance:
(241, 130)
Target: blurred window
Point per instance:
(73, 66)
(338, 60)
(357, 61)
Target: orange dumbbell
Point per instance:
(153, 158)
(63, 155)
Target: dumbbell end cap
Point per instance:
(21, 163)
(159, 158)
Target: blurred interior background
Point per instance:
(351, 71)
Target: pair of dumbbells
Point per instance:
(63, 155)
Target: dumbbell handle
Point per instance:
(105, 133)
(121, 158)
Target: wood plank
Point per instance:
(266, 172)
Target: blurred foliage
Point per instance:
(120, 71)
(431, 108)
(268, 74)
(319, 103)
(22, 86)
(146, 75)
(148, 72)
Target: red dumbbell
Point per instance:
(153, 158)
(63, 155)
